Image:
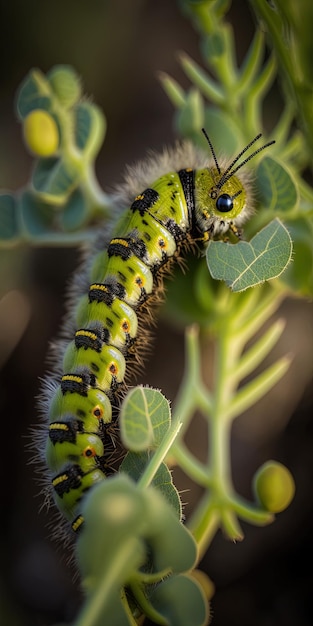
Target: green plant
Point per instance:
(60, 207)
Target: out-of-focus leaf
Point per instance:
(277, 188)
(90, 126)
(33, 94)
(9, 225)
(54, 179)
(75, 212)
(181, 601)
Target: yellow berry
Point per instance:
(41, 133)
(274, 486)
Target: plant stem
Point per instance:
(97, 602)
(159, 456)
(239, 320)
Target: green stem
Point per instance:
(250, 513)
(270, 17)
(204, 523)
(100, 203)
(259, 350)
(237, 324)
(192, 392)
(159, 456)
(207, 516)
(145, 605)
(97, 603)
(266, 304)
(257, 388)
(191, 465)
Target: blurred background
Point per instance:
(118, 48)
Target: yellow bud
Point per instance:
(274, 486)
(41, 133)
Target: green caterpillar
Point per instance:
(106, 327)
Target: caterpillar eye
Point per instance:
(224, 203)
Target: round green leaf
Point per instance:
(163, 482)
(119, 516)
(144, 418)
(75, 212)
(181, 601)
(171, 543)
(37, 217)
(244, 264)
(54, 179)
(9, 226)
(130, 528)
(33, 94)
(114, 510)
(66, 84)
(299, 274)
(90, 127)
(277, 189)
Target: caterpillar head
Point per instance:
(222, 199)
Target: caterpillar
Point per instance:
(186, 198)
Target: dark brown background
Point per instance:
(118, 47)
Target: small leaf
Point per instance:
(222, 130)
(164, 483)
(144, 418)
(33, 94)
(244, 264)
(299, 274)
(277, 189)
(90, 126)
(75, 212)
(181, 601)
(114, 510)
(119, 515)
(37, 217)
(9, 226)
(134, 465)
(66, 84)
(54, 179)
(201, 79)
(190, 117)
(251, 63)
(172, 89)
(171, 543)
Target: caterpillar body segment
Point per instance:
(179, 199)
(134, 279)
(107, 365)
(120, 319)
(92, 410)
(72, 483)
(67, 443)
